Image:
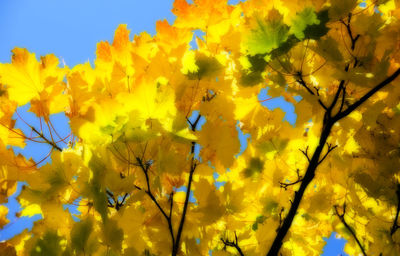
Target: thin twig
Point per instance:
(350, 33)
(51, 143)
(233, 244)
(145, 169)
(342, 219)
(330, 148)
(301, 81)
(305, 152)
(286, 185)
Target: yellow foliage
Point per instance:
(174, 150)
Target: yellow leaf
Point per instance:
(31, 210)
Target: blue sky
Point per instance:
(70, 29)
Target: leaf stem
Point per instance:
(51, 143)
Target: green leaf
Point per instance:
(252, 74)
(206, 67)
(316, 31)
(273, 145)
(302, 20)
(268, 35)
(259, 220)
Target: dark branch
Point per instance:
(120, 204)
(368, 95)
(171, 204)
(115, 203)
(305, 153)
(233, 244)
(209, 96)
(343, 99)
(395, 221)
(145, 168)
(298, 195)
(299, 179)
(51, 143)
(185, 206)
(301, 81)
(330, 148)
(194, 124)
(341, 217)
(350, 33)
(193, 165)
(335, 99)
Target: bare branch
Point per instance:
(349, 32)
(115, 203)
(171, 204)
(342, 219)
(305, 153)
(337, 94)
(185, 206)
(368, 95)
(330, 148)
(286, 185)
(301, 81)
(145, 168)
(343, 99)
(233, 244)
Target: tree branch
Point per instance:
(350, 33)
(337, 94)
(305, 152)
(171, 204)
(193, 166)
(145, 169)
(315, 161)
(341, 217)
(301, 81)
(368, 95)
(328, 123)
(298, 195)
(395, 221)
(233, 244)
(183, 217)
(286, 185)
(330, 148)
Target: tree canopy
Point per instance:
(154, 164)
